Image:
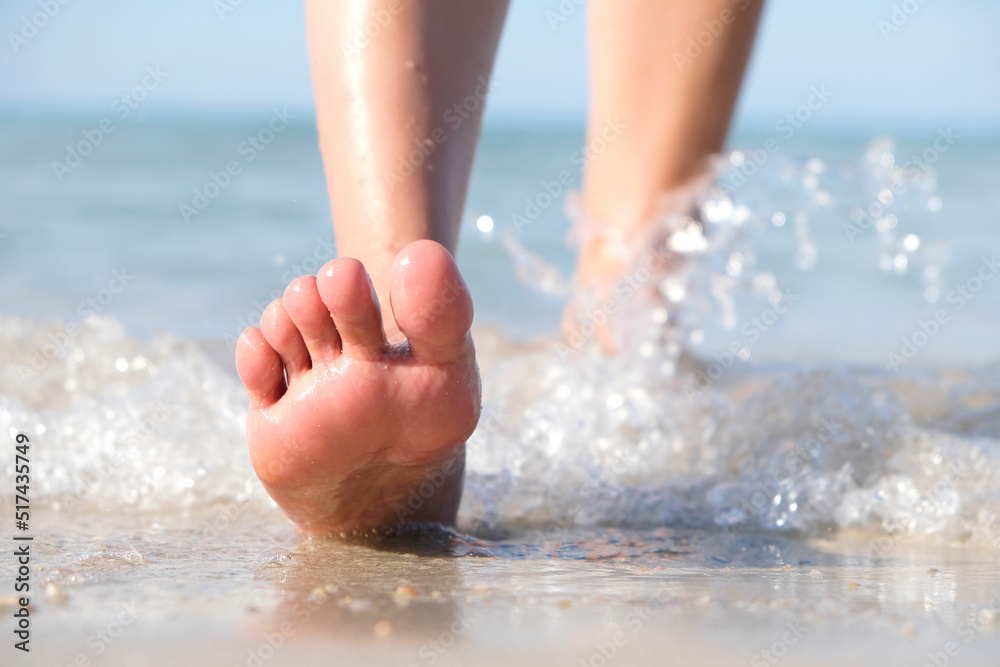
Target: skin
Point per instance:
(359, 415)
(374, 108)
(676, 113)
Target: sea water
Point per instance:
(800, 425)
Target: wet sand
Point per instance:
(593, 597)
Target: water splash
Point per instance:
(650, 436)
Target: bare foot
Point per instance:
(621, 262)
(347, 432)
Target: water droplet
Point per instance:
(274, 557)
(118, 551)
(484, 224)
(63, 576)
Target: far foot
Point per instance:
(622, 262)
(346, 432)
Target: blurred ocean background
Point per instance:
(908, 75)
(209, 276)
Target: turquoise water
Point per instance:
(204, 278)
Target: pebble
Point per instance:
(382, 629)
(404, 594)
(8, 601)
(55, 594)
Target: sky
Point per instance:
(938, 63)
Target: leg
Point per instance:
(346, 431)
(382, 110)
(676, 110)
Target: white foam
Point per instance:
(571, 437)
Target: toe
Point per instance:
(348, 293)
(282, 335)
(260, 368)
(312, 317)
(431, 303)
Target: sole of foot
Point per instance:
(346, 432)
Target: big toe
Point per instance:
(431, 303)
(260, 368)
